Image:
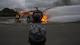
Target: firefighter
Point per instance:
(37, 32)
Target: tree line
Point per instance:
(6, 12)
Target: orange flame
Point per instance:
(21, 13)
(44, 19)
(17, 16)
(28, 13)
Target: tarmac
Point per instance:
(57, 34)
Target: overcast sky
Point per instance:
(24, 3)
(29, 3)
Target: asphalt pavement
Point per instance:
(57, 34)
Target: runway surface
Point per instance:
(57, 34)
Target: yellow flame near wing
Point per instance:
(44, 19)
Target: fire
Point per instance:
(21, 13)
(28, 13)
(44, 19)
(17, 16)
